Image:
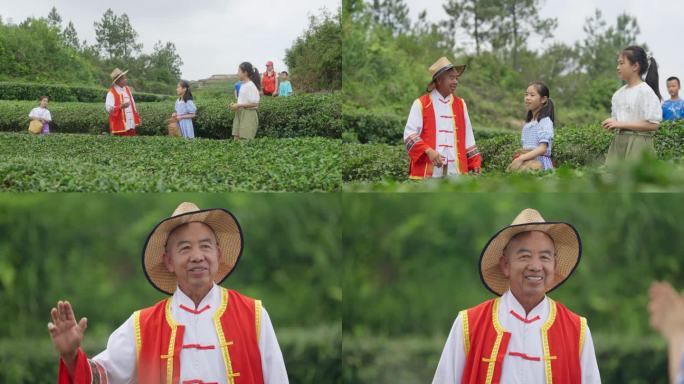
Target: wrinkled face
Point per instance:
(533, 100)
(121, 81)
(44, 102)
(447, 82)
(529, 263)
(673, 88)
(626, 69)
(192, 254)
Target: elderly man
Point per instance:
(438, 134)
(123, 116)
(203, 333)
(523, 336)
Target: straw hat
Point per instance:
(565, 238)
(116, 73)
(441, 66)
(228, 234)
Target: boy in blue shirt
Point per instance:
(673, 109)
(285, 87)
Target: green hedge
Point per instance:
(311, 356)
(414, 359)
(64, 93)
(89, 163)
(296, 116)
(573, 147)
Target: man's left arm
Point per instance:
(588, 364)
(472, 153)
(272, 363)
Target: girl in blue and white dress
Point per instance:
(185, 110)
(537, 133)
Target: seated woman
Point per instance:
(537, 133)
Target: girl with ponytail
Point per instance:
(537, 133)
(246, 120)
(636, 111)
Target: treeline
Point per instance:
(390, 53)
(45, 50)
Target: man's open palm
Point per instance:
(65, 332)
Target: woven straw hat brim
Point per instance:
(228, 234)
(568, 253)
(119, 75)
(459, 68)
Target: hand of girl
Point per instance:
(609, 124)
(233, 107)
(515, 164)
(174, 115)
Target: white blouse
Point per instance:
(40, 113)
(248, 93)
(636, 103)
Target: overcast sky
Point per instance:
(659, 20)
(211, 36)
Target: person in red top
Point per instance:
(522, 335)
(269, 81)
(123, 115)
(203, 333)
(438, 135)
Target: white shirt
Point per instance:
(109, 106)
(637, 103)
(248, 93)
(525, 338)
(444, 125)
(119, 359)
(40, 113)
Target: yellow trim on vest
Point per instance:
(172, 342)
(497, 344)
(257, 313)
(453, 119)
(583, 332)
(138, 340)
(545, 341)
(466, 331)
(222, 338)
(416, 178)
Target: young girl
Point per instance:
(42, 115)
(537, 133)
(246, 121)
(636, 112)
(185, 110)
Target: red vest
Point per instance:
(268, 82)
(117, 119)
(468, 159)
(159, 342)
(485, 342)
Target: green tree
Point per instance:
(115, 36)
(70, 36)
(54, 19)
(315, 58)
(515, 22)
(474, 16)
(392, 14)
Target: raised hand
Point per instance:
(66, 334)
(666, 308)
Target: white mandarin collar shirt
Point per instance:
(523, 363)
(200, 357)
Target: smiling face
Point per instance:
(533, 100)
(446, 83)
(529, 262)
(192, 254)
(44, 102)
